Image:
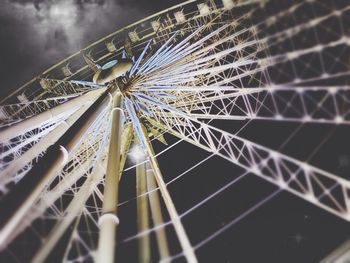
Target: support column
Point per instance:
(74, 208)
(37, 120)
(15, 205)
(126, 139)
(142, 213)
(157, 214)
(125, 144)
(46, 141)
(175, 219)
(109, 220)
(188, 250)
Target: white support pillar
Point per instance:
(125, 144)
(188, 250)
(142, 213)
(45, 142)
(126, 139)
(175, 219)
(16, 206)
(157, 216)
(48, 199)
(73, 210)
(35, 121)
(109, 220)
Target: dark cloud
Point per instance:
(37, 33)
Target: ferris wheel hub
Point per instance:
(112, 70)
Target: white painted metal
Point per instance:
(109, 220)
(176, 221)
(157, 216)
(35, 121)
(142, 213)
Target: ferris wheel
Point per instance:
(198, 73)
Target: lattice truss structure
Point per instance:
(193, 65)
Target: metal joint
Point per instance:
(109, 216)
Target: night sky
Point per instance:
(36, 34)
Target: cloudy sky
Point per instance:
(35, 34)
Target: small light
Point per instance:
(339, 119)
(137, 154)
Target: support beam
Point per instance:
(125, 144)
(48, 199)
(142, 213)
(15, 205)
(126, 139)
(157, 215)
(175, 219)
(188, 250)
(44, 143)
(73, 210)
(76, 213)
(35, 121)
(108, 220)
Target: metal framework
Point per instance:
(64, 145)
